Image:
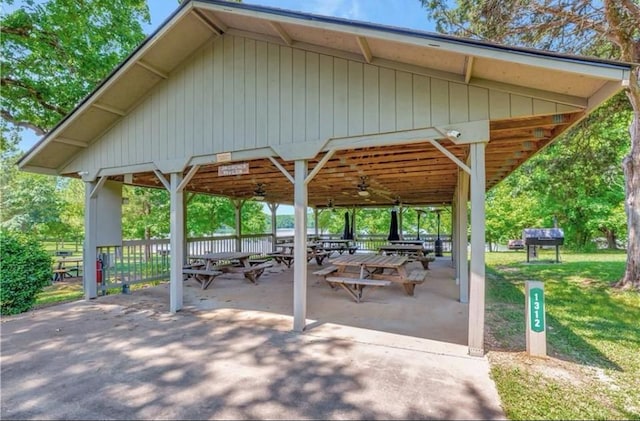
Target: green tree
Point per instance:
(608, 28)
(47, 70)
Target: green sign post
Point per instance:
(536, 306)
(535, 318)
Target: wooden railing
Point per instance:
(139, 261)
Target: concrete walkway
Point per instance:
(126, 357)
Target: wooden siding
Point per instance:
(238, 93)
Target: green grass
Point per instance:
(593, 337)
(59, 292)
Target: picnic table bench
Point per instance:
(355, 286)
(203, 276)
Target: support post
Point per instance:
(238, 207)
(273, 207)
(315, 222)
(90, 239)
(300, 247)
(461, 234)
(185, 231)
(176, 221)
(400, 214)
(477, 281)
(454, 234)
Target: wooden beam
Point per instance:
(364, 48)
(468, 68)
(71, 142)
(319, 165)
(282, 169)
(163, 180)
(97, 187)
(109, 109)
(198, 14)
(188, 177)
(281, 33)
(152, 69)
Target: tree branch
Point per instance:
(632, 8)
(25, 124)
(6, 81)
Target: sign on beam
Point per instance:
(234, 169)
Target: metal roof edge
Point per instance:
(417, 33)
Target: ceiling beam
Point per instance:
(281, 33)
(468, 68)
(202, 18)
(364, 48)
(109, 109)
(152, 69)
(217, 22)
(71, 142)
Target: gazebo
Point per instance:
(224, 97)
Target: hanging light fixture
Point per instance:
(330, 204)
(362, 187)
(259, 193)
(397, 202)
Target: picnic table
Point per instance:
(373, 270)
(339, 246)
(414, 252)
(63, 270)
(285, 254)
(205, 268)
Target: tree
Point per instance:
(47, 70)
(607, 28)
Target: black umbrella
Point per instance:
(393, 229)
(347, 231)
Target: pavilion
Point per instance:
(225, 96)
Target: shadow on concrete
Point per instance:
(126, 357)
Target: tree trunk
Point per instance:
(611, 239)
(631, 165)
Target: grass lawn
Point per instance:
(593, 338)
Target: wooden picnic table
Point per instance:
(375, 267)
(414, 252)
(63, 270)
(408, 242)
(339, 246)
(285, 254)
(210, 265)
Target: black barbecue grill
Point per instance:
(543, 237)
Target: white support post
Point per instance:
(462, 264)
(176, 221)
(315, 221)
(454, 234)
(238, 206)
(273, 207)
(476, 292)
(185, 231)
(90, 239)
(300, 247)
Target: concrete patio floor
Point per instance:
(231, 354)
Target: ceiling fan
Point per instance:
(362, 187)
(259, 193)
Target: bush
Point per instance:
(25, 268)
